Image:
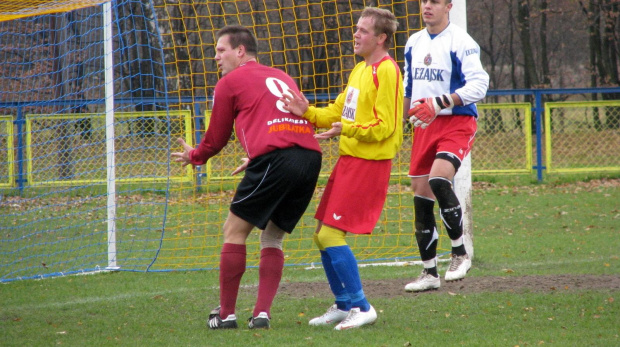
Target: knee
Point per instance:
(317, 242)
(271, 238)
(330, 237)
(446, 197)
(441, 187)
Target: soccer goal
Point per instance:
(93, 95)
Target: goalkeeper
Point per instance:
(280, 174)
(443, 78)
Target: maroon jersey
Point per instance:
(248, 98)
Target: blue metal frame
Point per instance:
(537, 109)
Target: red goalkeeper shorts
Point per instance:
(446, 134)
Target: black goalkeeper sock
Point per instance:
(432, 271)
(459, 250)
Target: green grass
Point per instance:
(565, 227)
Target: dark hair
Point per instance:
(384, 23)
(239, 35)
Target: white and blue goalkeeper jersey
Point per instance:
(447, 62)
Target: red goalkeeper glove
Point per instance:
(425, 110)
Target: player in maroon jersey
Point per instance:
(281, 169)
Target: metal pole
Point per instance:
(109, 134)
(462, 179)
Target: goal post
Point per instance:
(109, 133)
(462, 180)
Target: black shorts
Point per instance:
(277, 186)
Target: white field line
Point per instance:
(96, 299)
(106, 298)
(563, 262)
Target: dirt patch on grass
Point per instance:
(512, 284)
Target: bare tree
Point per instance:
(544, 53)
(602, 16)
(529, 63)
(609, 57)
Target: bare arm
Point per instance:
(406, 105)
(296, 104)
(241, 167)
(182, 157)
(336, 130)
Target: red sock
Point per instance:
(269, 276)
(232, 267)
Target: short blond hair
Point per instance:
(384, 22)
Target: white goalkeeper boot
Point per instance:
(426, 281)
(459, 266)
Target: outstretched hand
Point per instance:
(241, 167)
(336, 130)
(296, 104)
(182, 157)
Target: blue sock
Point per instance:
(343, 301)
(345, 265)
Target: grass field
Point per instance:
(546, 272)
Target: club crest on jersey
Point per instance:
(350, 104)
(349, 97)
(428, 60)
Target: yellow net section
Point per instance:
(13, 9)
(313, 42)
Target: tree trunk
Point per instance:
(610, 60)
(523, 18)
(530, 79)
(593, 39)
(544, 56)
